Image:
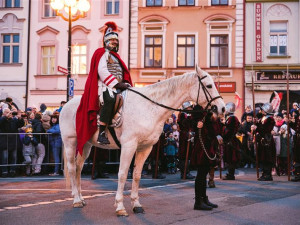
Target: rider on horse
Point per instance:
(108, 76)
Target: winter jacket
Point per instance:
(55, 137)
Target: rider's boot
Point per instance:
(102, 139)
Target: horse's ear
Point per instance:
(199, 71)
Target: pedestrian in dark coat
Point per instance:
(203, 155)
(265, 142)
(9, 142)
(231, 143)
(295, 125)
(185, 124)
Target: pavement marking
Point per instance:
(45, 189)
(107, 193)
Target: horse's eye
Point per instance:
(209, 86)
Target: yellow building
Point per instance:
(169, 37)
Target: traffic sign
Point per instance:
(71, 87)
(62, 69)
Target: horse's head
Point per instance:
(205, 93)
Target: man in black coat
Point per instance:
(9, 142)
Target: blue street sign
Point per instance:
(71, 87)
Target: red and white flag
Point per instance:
(238, 99)
(276, 101)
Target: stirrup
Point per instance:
(102, 139)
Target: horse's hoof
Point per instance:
(138, 210)
(121, 212)
(83, 203)
(78, 205)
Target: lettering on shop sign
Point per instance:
(258, 38)
(277, 75)
(226, 87)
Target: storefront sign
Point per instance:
(258, 37)
(226, 87)
(277, 75)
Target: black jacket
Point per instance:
(11, 141)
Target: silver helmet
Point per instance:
(186, 105)
(267, 108)
(229, 108)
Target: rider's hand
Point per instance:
(200, 124)
(122, 86)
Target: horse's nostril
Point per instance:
(223, 109)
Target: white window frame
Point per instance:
(79, 56)
(51, 12)
(13, 4)
(162, 33)
(11, 44)
(176, 34)
(113, 7)
(145, 3)
(278, 34)
(49, 56)
(210, 32)
(229, 3)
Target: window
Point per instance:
(12, 3)
(48, 11)
(185, 51)
(153, 2)
(219, 50)
(48, 60)
(10, 48)
(79, 59)
(112, 7)
(278, 38)
(186, 2)
(153, 51)
(219, 2)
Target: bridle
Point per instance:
(208, 97)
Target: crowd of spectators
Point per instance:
(32, 137)
(29, 138)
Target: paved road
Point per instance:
(45, 200)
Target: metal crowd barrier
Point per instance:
(113, 155)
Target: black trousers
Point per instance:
(200, 182)
(267, 168)
(107, 109)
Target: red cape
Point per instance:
(86, 116)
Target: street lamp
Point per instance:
(74, 9)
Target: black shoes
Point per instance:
(265, 178)
(207, 202)
(228, 177)
(211, 184)
(201, 205)
(188, 176)
(102, 139)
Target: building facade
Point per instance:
(171, 37)
(49, 47)
(272, 48)
(14, 29)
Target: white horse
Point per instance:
(142, 125)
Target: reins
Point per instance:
(206, 92)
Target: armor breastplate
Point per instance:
(115, 68)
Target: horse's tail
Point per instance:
(66, 171)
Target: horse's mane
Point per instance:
(168, 87)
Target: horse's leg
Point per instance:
(79, 165)
(127, 152)
(140, 159)
(70, 151)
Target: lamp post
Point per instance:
(74, 9)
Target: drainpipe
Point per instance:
(28, 48)
(129, 34)
(244, 52)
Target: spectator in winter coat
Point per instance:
(29, 143)
(170, 152)
(9, 142)
(55, 142)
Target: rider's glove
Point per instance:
(122, 86)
